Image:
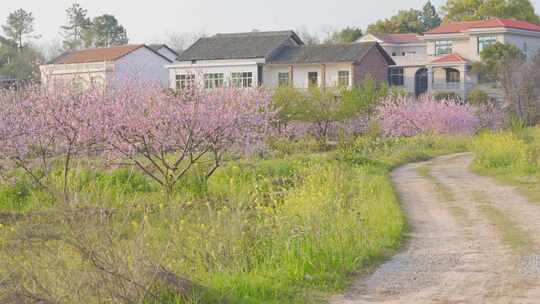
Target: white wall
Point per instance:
(225, 67)
(533, 43)
(300, 74)
(144, 65)
(83, 74)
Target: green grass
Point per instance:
(512, 158)
(290, 229)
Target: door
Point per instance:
(421, 82)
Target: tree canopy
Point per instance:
(19, 25)
(466, 10)
(78, 24)
(105, 31)
(404, 22)
(496, 57)
(430, 18)
(346, 35)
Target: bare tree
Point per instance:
(519, 82)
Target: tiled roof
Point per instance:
(458, 27)
(238, 45)
(157, 47)
(330, 53)
(398, 38)
(452, 58)
(96, 55)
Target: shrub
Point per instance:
(499, 150)
(478, 97)
(405, 116)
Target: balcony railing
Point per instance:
(450, 86)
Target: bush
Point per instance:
(406, 116)
(478, 97)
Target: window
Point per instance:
(452, 76)
(95, 80)
(343, 78)
(212, 81)
(395, 77)
(242, 80)
(443, 47)
(184, 81)
(484, 42)
(313, 79)
(283, 79)
(394, 54)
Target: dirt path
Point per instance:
(472, 240)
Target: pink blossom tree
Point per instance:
(166, 135)
(407, 116)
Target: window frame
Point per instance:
(483, 42)
(242, 79)
(214, 80)
(443, 47)
(283, 79)
(453, 79)
(392, 76)
(184, 81)
(344, 78)
(311, 83)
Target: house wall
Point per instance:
(529, 45)
(201, 67)
(372, 64)
(144, 65)
(300, 74)
(81, 74)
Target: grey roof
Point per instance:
(330, 53)
(157, 47)
(238, 46)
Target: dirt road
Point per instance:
(471, 240)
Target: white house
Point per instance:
(440, 60)
(276, 58)
(107, 66)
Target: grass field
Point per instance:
(291, 228)
(512, 158)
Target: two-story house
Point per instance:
(440, 59)
(276, 58)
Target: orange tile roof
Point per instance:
(97, 54)
(399, 38)
(458, 27)
(450, 59)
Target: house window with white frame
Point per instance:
(485, 42)
(395, 77)
(443, 47)
(343, 78)
(283, 79)
(313, 79)
(184, 81)
(213, 80)
(242, 80)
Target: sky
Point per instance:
(153, 21)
